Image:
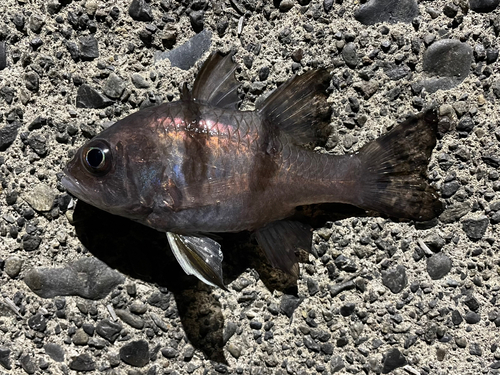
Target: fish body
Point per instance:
(199, 166)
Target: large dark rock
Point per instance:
(87, 277)
(391, 11)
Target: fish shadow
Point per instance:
(144, 253)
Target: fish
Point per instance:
(199, 166)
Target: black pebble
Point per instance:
(289, 303)
(8, 134)
(472, 317)
(31, 242)
(312, 286)
(263, 73)
(391, 11)
(491, 55)
(73, 50)
(395, 278)
(4, 358)
(32, 81)
(472, 303)
(135, 353)
(450, 10)
(456, 317)
(438, 266)
(347, 309)
(475, 228)
(327, 5)
(139, 10)
(89, 48)
(492, 160)
(19, 21)
(37, 322)
(3, 55)
(483, 6)
(393, 359)
(196, 19)
(83, 362)
(108, 330)
(87, 97)
(38, 143)
(54, 351)
(466, 124)
(312, 345)
(169, 353)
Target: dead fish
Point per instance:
(199, 166)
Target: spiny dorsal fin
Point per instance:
(299, 107)
(215, 84)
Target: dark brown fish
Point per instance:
(199, 166)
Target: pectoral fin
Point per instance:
(199, 256)
(281, 239)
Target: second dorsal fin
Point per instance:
(299, 107)
(215, 84)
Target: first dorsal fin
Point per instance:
(215, 84)
(299, 107)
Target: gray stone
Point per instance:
(139, 81)
(140, 10)
(135, 353)
(289, 303)
(83, 362)
(40, 198)
(475, 227)
(89, 48)
(3, 55)
(27, 364)
(393, 359)
(447, 62)
(350, 55)
(438, 266)
(87, 97)
(483, 6)
(54, 351)
(108, 330)
(4, 358)
(114, 86)
(336, 364)
(395, 278)
(8, 135)
(13, 266)
(129, 318)
(455, 212)
(80, 337)
(391, 11)
(87, 277)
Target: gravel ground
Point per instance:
(82, 290)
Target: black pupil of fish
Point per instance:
(95, 157)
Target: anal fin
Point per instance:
(280, 240)
(199, 256)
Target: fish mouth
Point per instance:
(72, 186)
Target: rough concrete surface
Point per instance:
(84, 291)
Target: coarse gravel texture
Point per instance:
(84, 291)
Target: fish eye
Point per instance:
(97, 157)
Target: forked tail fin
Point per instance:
(394, 166)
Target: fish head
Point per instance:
(116, 172)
